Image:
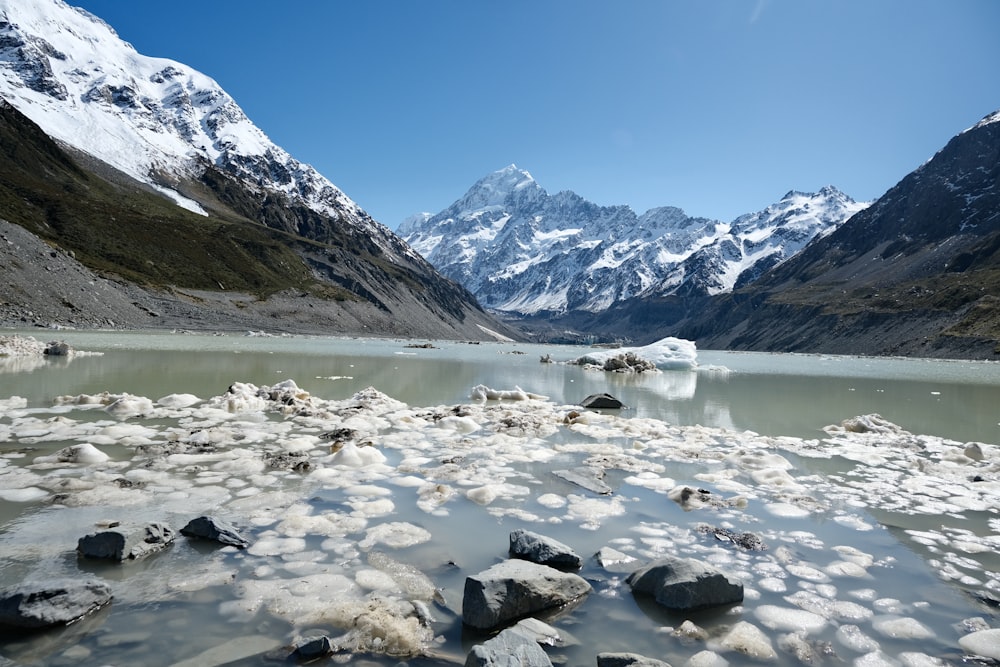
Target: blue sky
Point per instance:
(716, 106)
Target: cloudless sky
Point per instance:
(716, 106)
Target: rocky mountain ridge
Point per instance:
(93, 130)
(917, 273)
(523, 251)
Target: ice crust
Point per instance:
(331, 537)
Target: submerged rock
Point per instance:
(508, 649)
(543, 550)
(217, 530)
(601, 401)
(121, 544)
(514, 589)
(682, 584)
(628, 660)
(38, 604)
(587, 477)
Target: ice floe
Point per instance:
(339, 495)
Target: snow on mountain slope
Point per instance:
(155, 119)
(521, 250)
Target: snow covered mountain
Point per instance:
(523, 251)
(79, 105)
(157, 120)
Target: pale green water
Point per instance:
(774, 395)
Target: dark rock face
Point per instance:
(543, 550)
(217, 530)
(627, 660)
(602, 401)
(508, 649)
(914, 274)
(514, 589)
(684, 584)
(38, 605)
(124, 544)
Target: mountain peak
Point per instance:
(509, 183)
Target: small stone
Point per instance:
(211, 528)
(544, 550)
(602, 401)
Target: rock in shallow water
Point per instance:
(211, 528)
(537, 548)
(121, 544)
(628, 660)
(37, 605)
(516, 588)
(508, 649)
(682, 584)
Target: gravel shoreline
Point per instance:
(46, 287)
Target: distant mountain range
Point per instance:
(915, 273)
(142, 196)
(144, 126)
(523, 251)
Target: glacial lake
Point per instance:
(882, 543)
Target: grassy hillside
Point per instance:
(126, 230)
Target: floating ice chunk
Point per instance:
(843, 568)
(665, 354)
(178, 401)
(486, 494)
(786, 510)
(396, 534)
(129, 406)
(785, 618)
(552, 500)
(902, 627)
(372, 508)
(83, 453)
(13, 403)
(875, 659)
(276, 546)
(462, 425)
(26, 495)
(483, 393)
(852, 637)
(376, 580)
(873, 423)
(706, 659)
(748, 639)
(985, 643)
(352, 456)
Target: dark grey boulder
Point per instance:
(217, 530)
(43, 604)
(681, 584)
(508, 649)
(124, 543)
(57, 349)
(315, 647)
(544, 550)
(628, 660)
(514, 589)
(602, 401)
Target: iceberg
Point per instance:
(666, 354)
